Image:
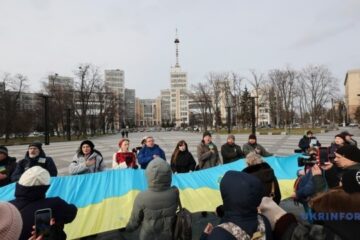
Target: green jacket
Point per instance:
(154, 210)
(247, 148)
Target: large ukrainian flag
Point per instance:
(105, 199)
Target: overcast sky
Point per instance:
(38, 37)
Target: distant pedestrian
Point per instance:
(87, 159)
(154, 210)
(208, 155)
(35, 156)
(182, 160)
(124, 158)
(230, 151)
(7, 166)
(127, 132)
(149, 152)
(253, 146)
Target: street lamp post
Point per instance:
(46, 119)
(68, 124)
(228, 108)
(253, 126)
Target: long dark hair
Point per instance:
(176, 150)
(87, 142)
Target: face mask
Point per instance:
(182, 148)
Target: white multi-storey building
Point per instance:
(179, 103)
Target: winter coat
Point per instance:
(207, 158)
(304, 143)
(154, 210)
(247, 148)
(124, 160)
(29, 199)
(265, 173)
(231, 153)
(240, 209)
(183, 163)
(288, 228)
(146, 154)
(7, 166)
(336, 201)
(26, 163)
(78, 165)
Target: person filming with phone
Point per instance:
(30, 198)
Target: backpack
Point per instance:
(240, 234)
(182, 230)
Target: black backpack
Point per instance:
(182, 230)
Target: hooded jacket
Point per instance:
(240, 209)
(154, 210)
(41, 160)
(207, 158)
(231, 152)
(78, 165)
(266, 175)
(146, 155)
(29, 199)
(7, 167)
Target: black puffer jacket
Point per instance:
(30, 199)
(266, 175)
(8, 166)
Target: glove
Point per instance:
(271, 210)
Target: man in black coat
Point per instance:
(30, 196)
(7, 166)
(230, 151)
(35, 156)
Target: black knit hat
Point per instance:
(3, 149)
(252, 136)
(88, 142)
(351, 181)
(36, 144)
(341, 135)
(350, 152)
(207, 133)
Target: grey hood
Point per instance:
(158, 174)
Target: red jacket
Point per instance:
(127, 157)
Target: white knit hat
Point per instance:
(35, 176)
(10, 222)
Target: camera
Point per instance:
(321, 157)
(307, 160)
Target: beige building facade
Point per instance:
(352, 92)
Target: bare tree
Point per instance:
(88, 80)
(201, 96)
(257, 81)
(284, 82)
(318, 87)
(11, 105)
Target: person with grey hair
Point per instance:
(262, 170)
(230, 151)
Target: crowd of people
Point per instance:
(251, 197)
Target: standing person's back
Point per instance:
(154, 210)
(30, 196)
